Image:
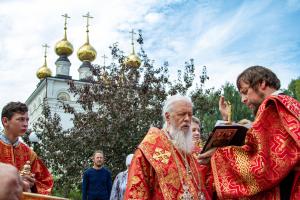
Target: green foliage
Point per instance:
(205, 104)
(74, 194)
(294, 88)
(239, 110)
(54, 148)
(118, 106)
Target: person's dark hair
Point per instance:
(255, 75)
(13, 107)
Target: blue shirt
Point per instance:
(96, 184)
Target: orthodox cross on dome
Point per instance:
(45, 46)
(87, 16)
(66, 18)
(45, 53)
(132, 36)
(65, 26)
(104, 57)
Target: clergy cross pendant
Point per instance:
(186, 194)
(201, 196)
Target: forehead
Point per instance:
(19, 114)
(243, 85)
(98, 155)
(195, 124)
(182, 106)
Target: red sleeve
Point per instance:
(44, 181)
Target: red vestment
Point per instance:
(18, 155)
(271, 152)
(196, 151)
(158, 171)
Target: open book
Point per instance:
(226, 134)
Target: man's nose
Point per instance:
(244, 99)
(187, 117)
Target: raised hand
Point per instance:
(224, 108)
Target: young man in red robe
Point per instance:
(163, 166)
(12, 151)
(267, 166)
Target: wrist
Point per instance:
(225, 117)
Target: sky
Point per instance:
(225, 36)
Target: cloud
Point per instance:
(293, 5)
(224, 36)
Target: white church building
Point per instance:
(54, 88)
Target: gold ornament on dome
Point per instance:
(86, 52)
(44, 71)
(64, 47)
(132, 60)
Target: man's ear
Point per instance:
(4, 121)
(263, 85)
(167, 116)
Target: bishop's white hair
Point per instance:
(169, 104)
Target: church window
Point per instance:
(63, 96)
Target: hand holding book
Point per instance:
(226, 132)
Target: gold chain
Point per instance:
(187, 166)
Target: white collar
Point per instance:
(277, 92)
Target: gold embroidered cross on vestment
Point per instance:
(161, 155)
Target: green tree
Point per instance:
(118, 106)
(294, 89)
(239, 110)
(54, 148)
(206, 104)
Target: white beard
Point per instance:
(182, 140)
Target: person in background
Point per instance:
(196, 130)
(96, 182)
(120, 182)
(196, 137)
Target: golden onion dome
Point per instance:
(63, 47)
(133, 61)
(43, 72)
(86, 53)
